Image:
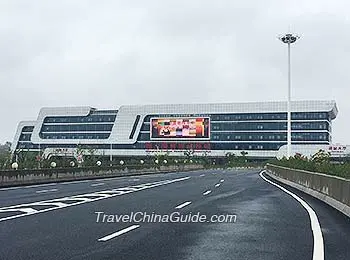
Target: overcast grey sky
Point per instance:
(108, 53)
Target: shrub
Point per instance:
(319, 162)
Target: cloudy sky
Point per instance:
(108, 53)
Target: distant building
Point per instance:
(259, 128)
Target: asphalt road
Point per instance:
(60, 221)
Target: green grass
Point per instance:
(326, 167)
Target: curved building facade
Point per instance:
(259, 128)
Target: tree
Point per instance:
(90, 156)
(159, 158)
(189, 154)
(26, 159)
(244, 153)
(230, 158)
(5, 159)
(244, 156)
(234, 161)
(321, 157)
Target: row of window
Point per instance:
(77, 128)
(95, 112)
(270, 136)
(27, 129)
(262, 136)
(25, 137)
(251, 126)
(100, 135)
(270, 116)
(247, 126)
(300, 136)
(310, 126)
(80, 119)
(166, 146)
(254, 116)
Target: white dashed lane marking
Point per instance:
(27, 209)
(207, 192)
(97, 184)
(183, 205)
(45, 191)
(118, 233)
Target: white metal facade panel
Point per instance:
(19, 131)
(127, 114)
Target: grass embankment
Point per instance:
(340, 169)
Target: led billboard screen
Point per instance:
(180, 128)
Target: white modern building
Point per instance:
(259, 128)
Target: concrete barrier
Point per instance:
(27, 177)
(333, 190)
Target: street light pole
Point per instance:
(289, 113)
(289, 39)
(111, 155)
(39, 157)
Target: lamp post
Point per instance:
(53, 164)
(111, 155)
(14, 166)
(289, 38)
(39, 156)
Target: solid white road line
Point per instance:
(97, 184)
(44, 191)
(318, 250)
(81, 199)
(217, 185)
(75, 182)
(28, 187)
(70, 182)
(118, 233)
(11, 188)
(55, 204)
(24, 210)
(207, 192)
(183, 205)
(40, 185)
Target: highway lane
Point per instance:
(117, 183)
(335, 226)
(270, 224)
(25, 194)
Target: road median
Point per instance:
(29, 177)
